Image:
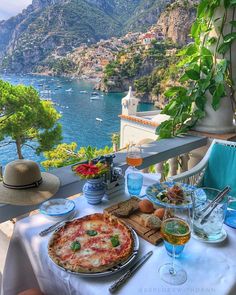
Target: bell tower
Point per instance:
(129, 104)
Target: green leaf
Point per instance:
(211, 41)
(184, 78)
(232, 2)
(75, 246)
(164, 130)
(206, 51)
(217, 95)
(202, 7)
(207, 61)
(191, 49)
(91, 232)
(226, 3)
(195, 29)
(229, 37)
(223, 48)
(192, 74)
(233, 22)
(175, 90)
(115, 241)
(201, 102)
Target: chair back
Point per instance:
(221, 168)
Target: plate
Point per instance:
(57, 207)
(153, 190)
(112, 270)
(230, 218)
(222, 237)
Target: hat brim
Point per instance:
(32, 196)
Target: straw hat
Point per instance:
(24, 184)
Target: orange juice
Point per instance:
(134, 161)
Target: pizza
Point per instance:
(93, 243)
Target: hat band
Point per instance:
(25, 186)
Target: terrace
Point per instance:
(188, 150)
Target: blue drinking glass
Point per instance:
(178, 249)
(134, 183)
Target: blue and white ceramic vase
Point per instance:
(94, 190)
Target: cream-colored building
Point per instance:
(137, 127)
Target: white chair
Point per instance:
(195, 175)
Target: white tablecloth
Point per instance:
(211, 268)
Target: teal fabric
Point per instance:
(221, 169)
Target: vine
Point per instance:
(207, 67)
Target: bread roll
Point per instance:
(151, 221)
(146, 206)
(159, 212)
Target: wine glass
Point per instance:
(134, 156)
(175, 231)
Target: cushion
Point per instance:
(221, 169)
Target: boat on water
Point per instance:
(94, 93)
(95, 98)
(69, 90)
(99, 119)
(83, 91)
(45, 91)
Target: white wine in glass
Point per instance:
(175, 230)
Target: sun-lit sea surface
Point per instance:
(72, 99)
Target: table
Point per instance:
(211, 268)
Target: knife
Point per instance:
(128, 274)
(55, 226)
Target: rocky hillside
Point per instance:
(175, 22)
(51, 28)
(88, 61)
(150, 65)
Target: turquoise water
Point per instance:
(78, 112)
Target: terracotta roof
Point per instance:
(139, 120)
(149, 35)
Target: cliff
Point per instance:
(176, 21)
(52, 28)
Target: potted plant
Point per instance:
(94, 188)
(204, 98)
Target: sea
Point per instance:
(84, 120)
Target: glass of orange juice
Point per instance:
(134, 156)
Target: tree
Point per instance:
(25, 120)
(67, 154)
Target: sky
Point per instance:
(10, 8)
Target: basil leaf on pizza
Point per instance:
(91, 232)
(75, 246)
(115, 240)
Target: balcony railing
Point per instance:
(153, 153)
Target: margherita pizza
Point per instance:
(93, 243)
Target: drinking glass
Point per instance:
(212, 227)
(175, 231)
(134, 156)
(134, 183)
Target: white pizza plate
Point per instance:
(112, 270)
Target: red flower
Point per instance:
(87, 169)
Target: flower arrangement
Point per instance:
(91, 171)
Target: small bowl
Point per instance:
(57, 208)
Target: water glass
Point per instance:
(134, 183)
(211, 229)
